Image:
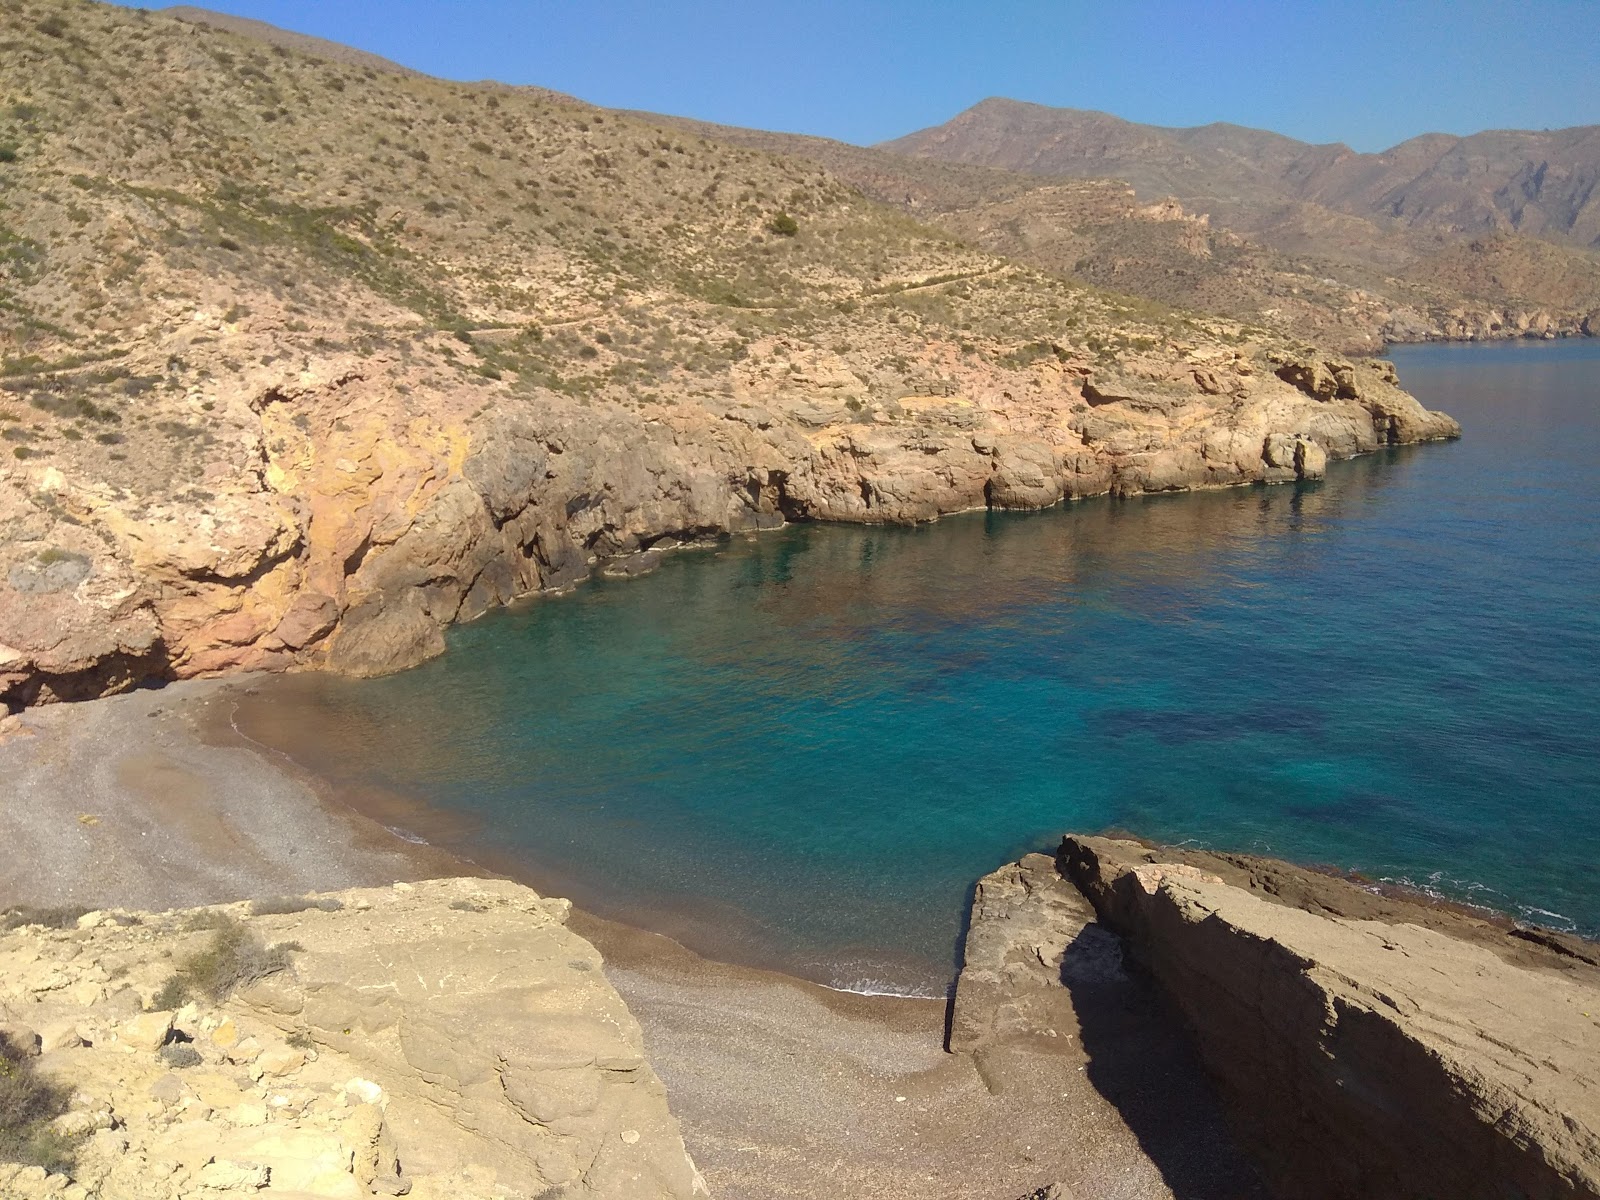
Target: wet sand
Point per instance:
(784, 1088)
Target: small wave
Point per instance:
(1544, 916)
(883, 987)
(1438, 886)
(406, 835)
(1474, 894)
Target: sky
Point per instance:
(1368, 74)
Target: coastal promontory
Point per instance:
(271, 400)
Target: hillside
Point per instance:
(1500, 181)
(303, 360)
(260, 31)
(1310, 272)
(1493, 235)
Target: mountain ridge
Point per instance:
(1536, 181)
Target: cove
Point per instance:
(800, 750)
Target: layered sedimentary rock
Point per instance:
(445, 1039)
(1364, 1045)
(347, 530)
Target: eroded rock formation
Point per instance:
(445, 1039)
(348, 529)
(1364, 1045)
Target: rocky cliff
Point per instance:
(277, 400)
(1364, 1045)
(347, 532)
(450, 1038)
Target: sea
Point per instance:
(800, 750)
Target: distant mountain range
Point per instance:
(1502, 181)
(1205, 219)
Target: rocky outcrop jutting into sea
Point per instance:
(1365, 1047)
(444, 1039)
(356, 529)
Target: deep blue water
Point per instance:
(802, 749)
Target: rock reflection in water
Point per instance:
(800, 750)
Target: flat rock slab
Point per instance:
(1046, 1010)
(444, 1039)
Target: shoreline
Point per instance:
(785, 1088)
(708, 930)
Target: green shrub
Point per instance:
(784, 225)
(65, 917)
(8, 154)
(171, 995)
(233, 959)
(28, 1105)
(279, 905)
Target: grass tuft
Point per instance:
(28, 1104)
(233, 959)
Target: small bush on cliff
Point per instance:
(50, 918)
(281, 905)
(233, 959)
(28, 1105)
(784, 225)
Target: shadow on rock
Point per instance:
(1141, 1061)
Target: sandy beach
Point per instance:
(784, 1088)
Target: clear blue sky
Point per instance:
(1369, 74)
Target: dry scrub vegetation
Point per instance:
(166, 185)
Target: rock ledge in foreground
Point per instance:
(446, 1039)
(1359, 1057)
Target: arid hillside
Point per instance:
(1300, 267)
(302, 359)
(1500, 181)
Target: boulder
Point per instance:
(147, 1031)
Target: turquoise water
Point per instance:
(800, 750)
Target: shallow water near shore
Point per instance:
(800, 750)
